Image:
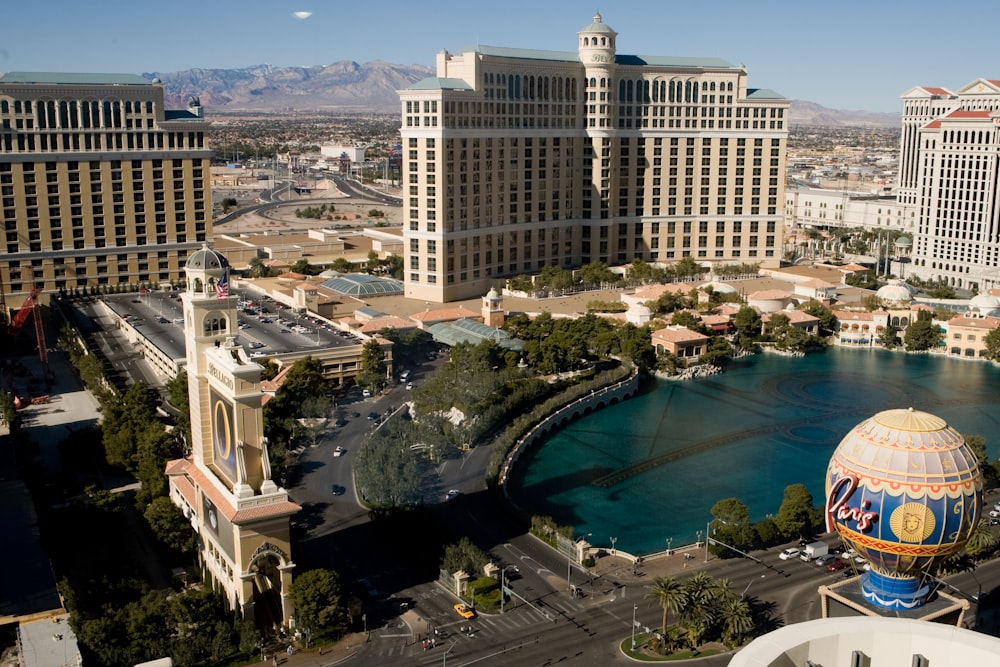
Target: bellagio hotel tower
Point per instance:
(517, 159)
(100, 184)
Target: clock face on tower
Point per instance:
(223, 435)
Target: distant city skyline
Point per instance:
(850, 55)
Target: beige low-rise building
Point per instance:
(966, 336)
(680, 342)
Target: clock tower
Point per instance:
(225, 488)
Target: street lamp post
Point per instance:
(707, 524)
(634, 608)
(670, 541)
(744, 593)
(503, 583)
(613, 540)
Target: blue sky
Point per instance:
(843, 55)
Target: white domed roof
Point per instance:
(894, 292)
(984, 302)
(206, 259)
(639, 309)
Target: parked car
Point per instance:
(791, 552)
(452, 494)
(366, 393)
(826, 559)
(836, 565)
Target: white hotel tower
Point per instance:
(517, 159)
(948, 170)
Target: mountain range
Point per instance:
(350, 87)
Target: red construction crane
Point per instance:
(30, 306)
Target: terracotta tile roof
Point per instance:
(678, 335)
(937, 91)
(195, 476)
(251, 514)
(853, 316)
(988, 323)
(188, 478)
(794, 317)
(933, 125)
(969, 113)
(373, 326)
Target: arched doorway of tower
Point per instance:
(267, 612)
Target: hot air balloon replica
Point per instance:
(905, 490)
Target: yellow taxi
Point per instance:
(464, 611)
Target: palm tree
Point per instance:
(981, 538)
(702, 595)
(669, 593)
(737, 619)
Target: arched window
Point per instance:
(197, 284)
(621, 91)
(604, 41)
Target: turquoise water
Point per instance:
(651, 468)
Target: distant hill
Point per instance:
(811, 114)
(349, 86)
(341, 86)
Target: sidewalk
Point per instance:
(611, 571)
(322, 656)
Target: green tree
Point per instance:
(372, 374)
(977, 444)
(923, 334)
(981, 538)
(177, 396)
(686, 268)
(993, 344)
(124, 420)
(342, 265)
(730, 511)
(862, 279)
(669, 594)
(319, 602)
(748, 325)
(464, 556)
(597, 273)
(767, 532)
(718, 351)
(258, 269)
(305, 268)
(887, 337)
(827, 320)
(170, 525)
(731, 525)
(686, 318)
(737, 620)
(228, 204)
(796, 512)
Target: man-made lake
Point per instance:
(650, 469)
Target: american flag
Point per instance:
(222, 286)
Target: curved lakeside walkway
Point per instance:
(648, 470)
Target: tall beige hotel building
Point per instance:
(99, 183)
(515, 159)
